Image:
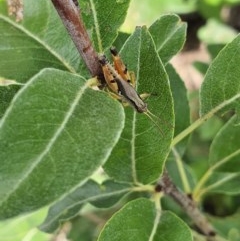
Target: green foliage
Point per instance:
(221, 83)
(169, 34)
(14, 56)
(47, 118)
(103, 18)
(102, 196)
(57, 132)
(140, 164)
(212, 8)
(139, 220)
(181, 106)
(24, 227)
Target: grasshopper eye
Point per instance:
(102, 59)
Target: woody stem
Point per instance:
(70, 15)
(168, 187)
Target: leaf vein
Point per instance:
(25, 31)
(52, 141)
(89, 199)
(97, 27)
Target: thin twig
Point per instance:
(167, 186)
(70, 15)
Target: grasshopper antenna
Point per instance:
(150, 116)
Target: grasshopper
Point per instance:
(118, 80)
(122, 84)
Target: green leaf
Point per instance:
(167, 221)
(142, 149)
(220, 89)
(24, 228)
(41, 41)
(224, 160)
(111, 192)
(83, 228)
(139, 220)
(182, 121)
(104, 195)
(176, 176)
(201, 67)
(210, 9)
(210, 128)
(23, 54)
(37, 17)
(6, 94)
(181, 106)
(223, 182)
(43, 22)
(228, 226)
(214, 49)
(53, 136)
(3, 7)
(120, 40)
(169, 35)
(225, 148)
(103, 19)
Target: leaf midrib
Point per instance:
(169, 37)
(89, 199)
(55, 135)
(220, 182)
(97, 27)
(42, 43)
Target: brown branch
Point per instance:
(168, 187)
(70, 15)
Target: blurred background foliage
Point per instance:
(219, 19)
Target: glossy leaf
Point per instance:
(139, 220)
(103, 18)
(140, 154)
(103, 196)
(222, 80)
(53, 136)
(169, 35)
